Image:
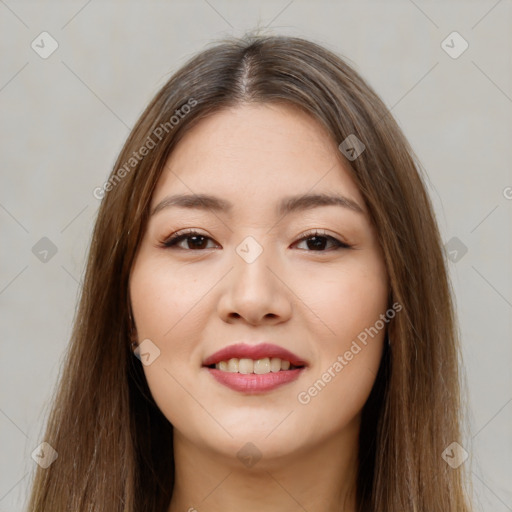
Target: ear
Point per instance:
(134, 342)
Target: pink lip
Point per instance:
(252, 383)
(260, 351)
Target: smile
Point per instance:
(253, 369)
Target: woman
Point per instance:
(266, 321)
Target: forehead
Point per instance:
(256, 153)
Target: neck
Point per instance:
(321, 477)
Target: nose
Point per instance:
(255, 292)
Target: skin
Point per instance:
(196, 298)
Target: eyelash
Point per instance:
(176, 238)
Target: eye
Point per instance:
(195, 240)
(316, 241)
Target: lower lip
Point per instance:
(255, 383)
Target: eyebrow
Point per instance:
(285, 206)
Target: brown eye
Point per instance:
(317, 241)
(193, 240)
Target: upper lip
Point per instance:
(260, 351)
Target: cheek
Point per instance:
(349, 302)
(162, 297)
(164, 303)
(349, 351)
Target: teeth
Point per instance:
(232, 365)
(245, 366)
(262, 366)
(258, 366)
(275, 364)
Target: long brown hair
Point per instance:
(114, 444)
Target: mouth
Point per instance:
(254, 369)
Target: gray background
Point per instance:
(64, 119)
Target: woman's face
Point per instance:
(261, 263)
